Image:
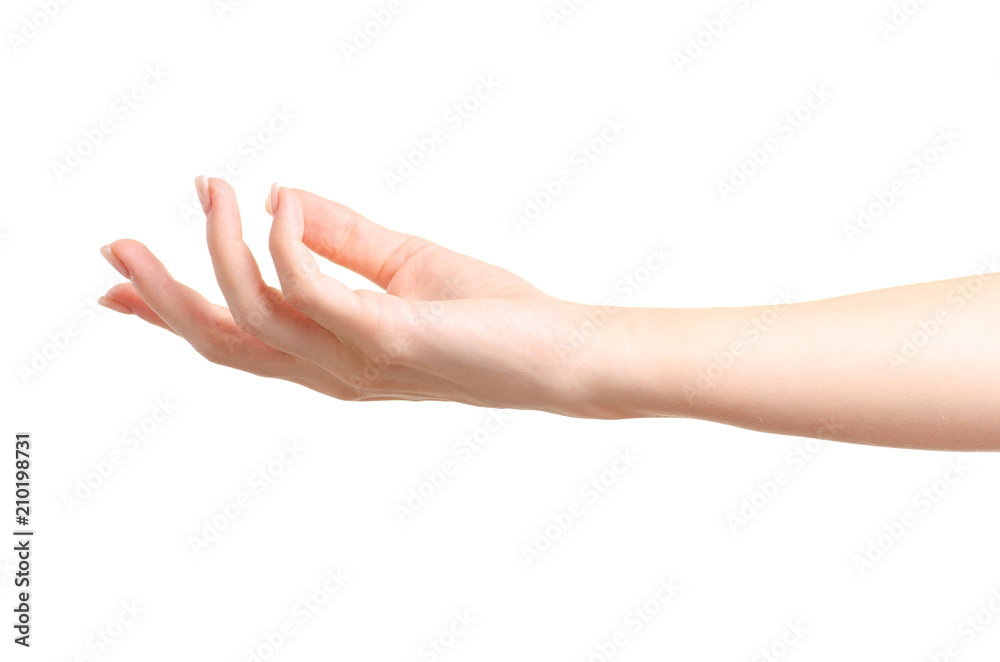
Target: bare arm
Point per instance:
(915, 366)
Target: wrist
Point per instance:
(615, 362)
(652, 362)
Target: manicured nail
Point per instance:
(274, 199)
(201, 185)
(111, 304)
(113, 260)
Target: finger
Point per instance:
(257, 309)
(324, 299)
(124, 294)
(208, 327)
(346, 237)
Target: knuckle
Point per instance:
(298, 291)
(247, 323)
(252, 318)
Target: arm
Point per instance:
(444, 326)
(914, 366)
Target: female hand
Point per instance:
(446, 327)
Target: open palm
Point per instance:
(446, 326)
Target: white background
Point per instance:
(667, 517)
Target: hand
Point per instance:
(446, 327)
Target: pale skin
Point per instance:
(444, 326)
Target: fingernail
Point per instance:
(201, 185)
(113, 260)
(273, 200)
(111, 304)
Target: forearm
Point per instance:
(911, 366)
